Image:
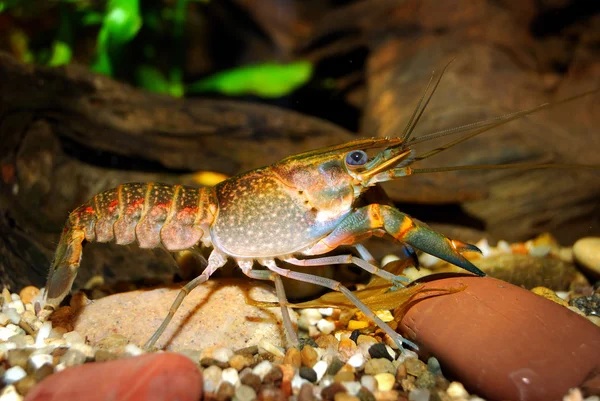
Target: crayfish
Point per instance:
(295, 210)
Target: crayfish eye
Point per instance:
(356, 158)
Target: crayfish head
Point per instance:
(330, 179)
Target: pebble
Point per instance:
(230, 375)
(306, 392)
(325, 326)
(250, 379)
(43, 333)
(369, 382)
(419, 394)
(433, 365)
(24, 385)
(311, 315)
(355, 335)
(587, 253)
(9, 393)
(309, 356)
(293, 358)
(262, 369)
(346, 349)
(13, 315)
(37, 361)
(14, 374)
(379, 365)
(457, 391)
(365, 395)
(344, 397)
(589, 305)
(357, 360)
(385, 381)
(240, 361)
(334, 366)
(265, 346)
(308, 374)
(17, 305)
(43, 371)
(352, 387)
(18, 357)
(344, 376)
(28, 293)
(363, 339)
(73, 337)
(245, 393)
(329, 392)
(212, 378)
(320, 368)
(222, 354)
(130, 349)
(379, 350)
(72, 358)
(414, 366)
(4, 319)
(225, 392)
(298, 381)
(274, 376)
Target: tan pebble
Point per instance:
(113, 342)
(309, 356)
(358, 324)
(401, 372)
(344, 397)
(385, 381)
(28, 293)
(344, 376)
(326, 341)
(57, 332)
(408, 384)
(103, 355)
(364, 339)
(346, 349)
(457, 391)
(286, 380)
(587, 253)
(293, 358)
(594, 319)
(6, 295)
(240, 361)
(4, 319)
(414, 366)
(549, 294)
(390, 395)
(24, 385)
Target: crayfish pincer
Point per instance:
(295, 210)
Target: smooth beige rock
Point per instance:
(215, 314)
(587, 253)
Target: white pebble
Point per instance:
(419, 394)
(230, 375)
(325, 311)
(133, 350)
(39, 360)
(320, 368)
(89, 352)
(262, 369)
(18, 305)
(9, 393)
(390, 351)
(14, 374)
(29, 307)
(43, 333)
(15, 297)
(266, 346)
(357, 360)
(427, 260)
(4, 319)
(245, 393)
(9, 331)
(298, 381)
(222, 354)
(13, 315)
(311, 315)
(73, 337)
(212, 378)
(5, 346)
(325, 326)
(503, 247)
(457, 391)
(352, 387)
(369, 382)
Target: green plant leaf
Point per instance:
(61, 54)
(269, 80)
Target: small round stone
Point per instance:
(43, 371)
(225, 392)
(306, 392)
(325, 326)
(357, 360)
(230, 375)
(293, 358)
(212, 378)
(14, 374)
(250, 379)
(320, 368)
(25, 384)
(309, 356)
(379, 365)
(419, 394)
(329, 392)
(222, 354)
(308, 374)
(385, 381)
(262, 369)
(18, 357)
(368, 382)
(344, 397)
(355, 335)
(587, 253)
(240, 361)
(28, 293)
(379, 350)
(274, 376)
(245, 393)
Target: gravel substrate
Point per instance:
(342, 358)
